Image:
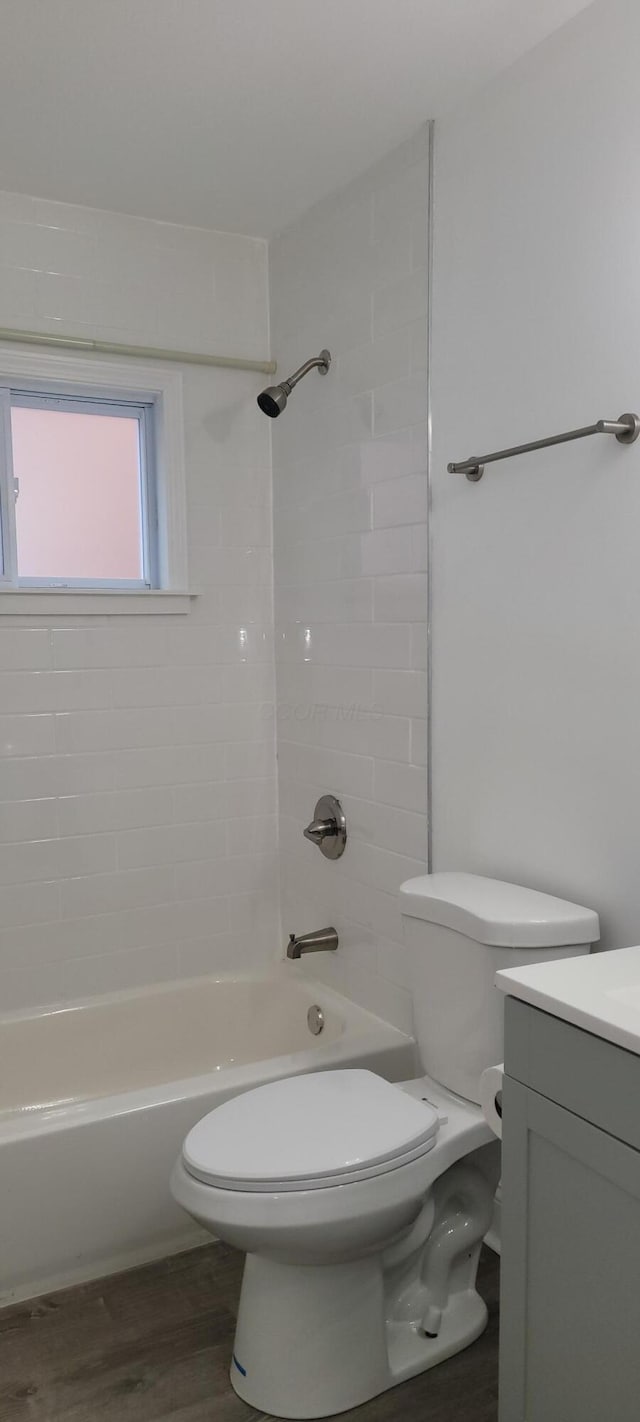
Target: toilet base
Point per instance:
(314, 1341)
(411, 1352)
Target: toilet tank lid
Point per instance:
(501, 915)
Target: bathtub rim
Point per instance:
(281, 970)
(376, 1036)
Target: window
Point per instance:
(81, 494)
(92, 486)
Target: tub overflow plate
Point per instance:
(315, 1019)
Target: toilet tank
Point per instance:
(460, 929)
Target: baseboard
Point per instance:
(190, 1238)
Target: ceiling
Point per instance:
(236, 114)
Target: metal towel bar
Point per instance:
(626, 429)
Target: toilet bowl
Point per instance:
(358, 1198)
(361, 1204)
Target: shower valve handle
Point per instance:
(328, 828)
(319, 829)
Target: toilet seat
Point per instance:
(310, 1132)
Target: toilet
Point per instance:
(362, 1204)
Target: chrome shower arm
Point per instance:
(320, 362)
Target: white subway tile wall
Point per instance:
(137, 761)
(138, 799)
(350, 547)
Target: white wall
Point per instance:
(350, 508)
(137, 771)
(536, 602)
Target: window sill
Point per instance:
(45, 602)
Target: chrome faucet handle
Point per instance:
(328, 828)
(319, 829)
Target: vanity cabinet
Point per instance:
(570, 1296)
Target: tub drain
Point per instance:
(315, 1019)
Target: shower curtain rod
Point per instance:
(626, 430)
(81, 343)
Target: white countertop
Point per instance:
(600, 992)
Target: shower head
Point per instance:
(273, 400)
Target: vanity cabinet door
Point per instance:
(570, 1297)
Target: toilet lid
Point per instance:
(304, 1132)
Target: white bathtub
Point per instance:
(96, 1098)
